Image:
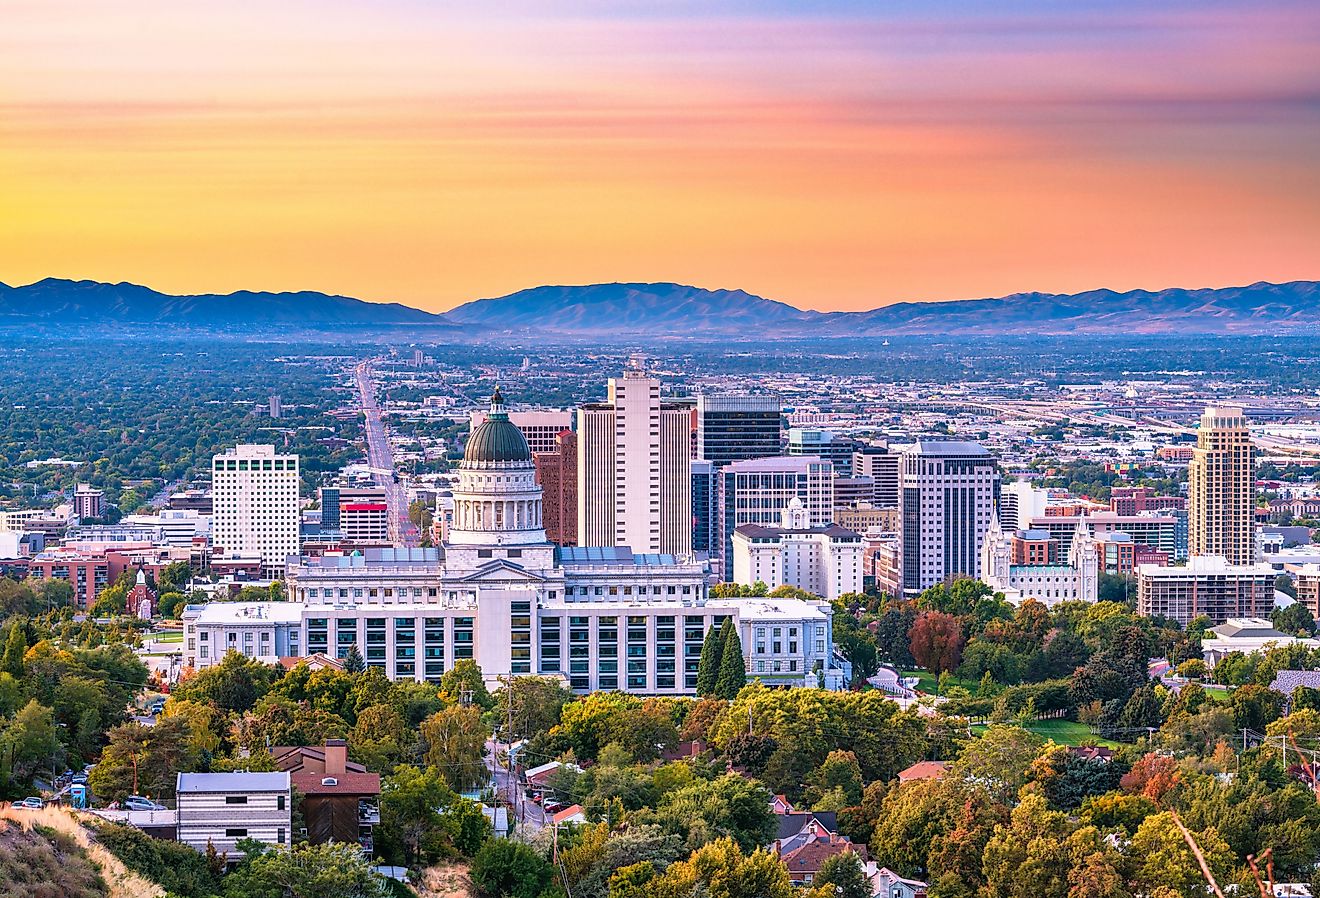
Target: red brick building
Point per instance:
(556, 472)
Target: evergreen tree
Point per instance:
(733, 672)
(353, 662)
(15, 648)
(712, 653)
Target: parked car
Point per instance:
(551, 806)
(138, 803)
(31, 803)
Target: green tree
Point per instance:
(15, 647)
(722, 870)
(411, 803)
(842, 876)
(29, 740)
(1165, 861)
(532, 704)
(353, 662)
(379, 738)
(464, 683)
(504, 868)
(305, 871)
(235, 684)
(730, 806)
(708, 669)
(839, 771)
(733, 669)
(1028, 858)
(149, 758)
(455, 743)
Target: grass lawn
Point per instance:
(927, 684)
(1063, 732)
(168, 636)
(1219, 693)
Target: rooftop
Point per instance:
(953, 448)
(247, 613)
(238, 781)
(793, 463)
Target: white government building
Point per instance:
(825, 561)
(499, 593)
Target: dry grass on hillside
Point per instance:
(446, 881)
(119, 880)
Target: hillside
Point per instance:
(59, 301)
(49, 854)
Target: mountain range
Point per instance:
(664, 310)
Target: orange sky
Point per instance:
(417, 151)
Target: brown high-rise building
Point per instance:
(556, 472)
(1221, 488)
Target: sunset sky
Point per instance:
(834, 155)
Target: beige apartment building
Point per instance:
(1221, 488)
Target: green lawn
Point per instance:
(168, 636)
(1063, 732)
(1219, 693)
(927, 684)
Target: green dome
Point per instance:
(497, 439)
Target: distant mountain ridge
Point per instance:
(676, 310)
(59, 301)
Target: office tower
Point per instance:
(540, 426)
(822, 444)
(556, 471)
(276, 407)
(850, 491)
(949, 490)
(365, 523)
(879, 463)
(335, 498)
(634, 469)
(88, 501)
(758, 490)
(705, 519)
(255, 494)
(1221, 482)
(736, 427)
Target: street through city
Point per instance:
(380, 458)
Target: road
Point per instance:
(528, 813)
(380, 458)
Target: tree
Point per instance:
(998, 762)
(1028, 858)
(842, 876)
(465, 684)
(455, 741)
(532, 704)
(144, 760)
(15, 648)
(721, 870)
(708, 670)
(411, 800)
(235, 684)
(839, 771)
(304, 871)
(379, 737)
(1255, 707)
(504, 868)
(936, 641)
(733, 669)
(353, 662)
(730, 806)
(1164, 859)
(1296, 618)
(28, 740)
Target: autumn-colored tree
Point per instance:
(936, 641)
(1152, 776)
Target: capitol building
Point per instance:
(499, 593)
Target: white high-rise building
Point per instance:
(255, 493)
(1221, 488)
(947, 492)
(634, 469)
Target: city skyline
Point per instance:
(831, 157)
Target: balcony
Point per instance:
(368, 813)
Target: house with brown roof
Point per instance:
(340, 800)
(923, 770)
(805, 861)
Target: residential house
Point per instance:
(340, 800)
(805, 861)
(574, 813)
(885, 883)
(221, 809)
(923, 770)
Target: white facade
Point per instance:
(1077, 580)
(947, 496)
(824, 561)
(634, 469)
(498, 593)
(255, 494)
(178, 526)
(222, 809)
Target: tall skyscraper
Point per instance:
(276, 406)
(813, 441)
(758, 490)
(556, 471)
(1221, 488)
(880, 463)
(948, 492)
(255, 497)
(634, 469)
(737, 427)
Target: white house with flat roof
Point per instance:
(222, 809)
(1247, 635)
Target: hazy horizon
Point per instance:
(830, 155)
